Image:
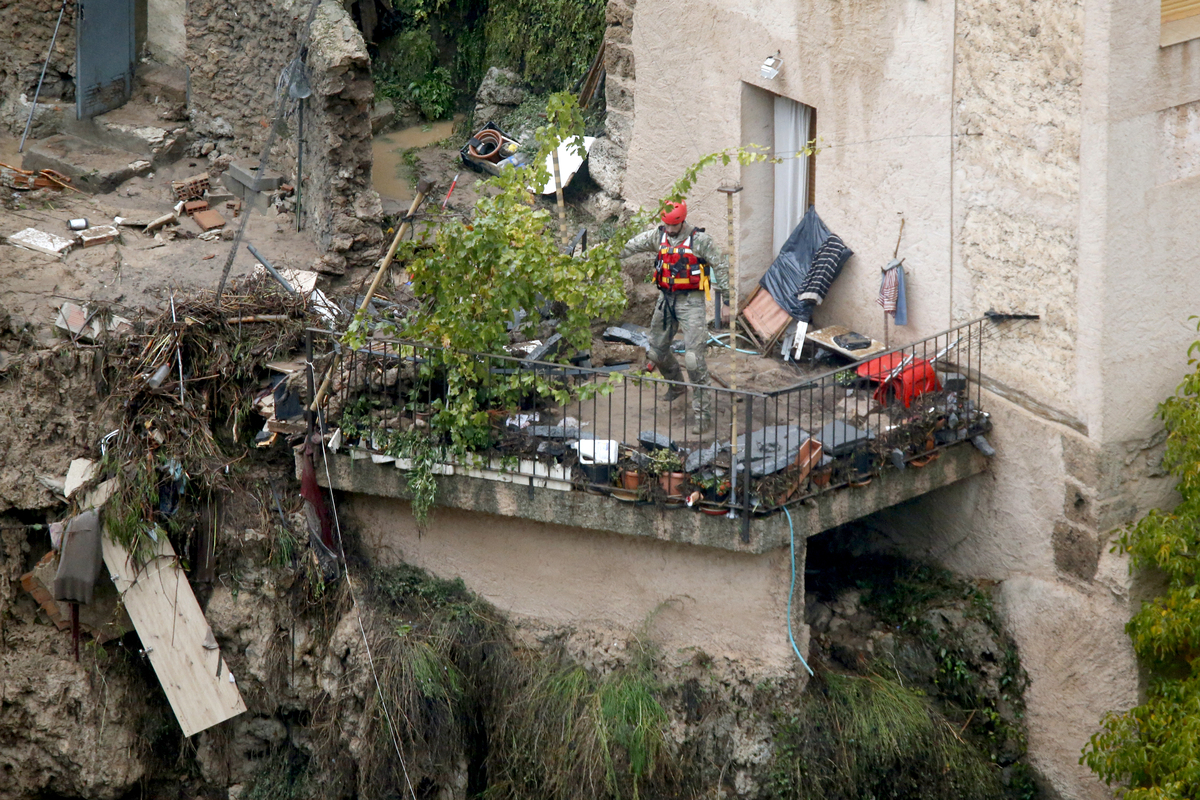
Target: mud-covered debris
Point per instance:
(42, 242)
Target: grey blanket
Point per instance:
(80, 560)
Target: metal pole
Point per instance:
(746, 472)
(299, 164)
(38, 92)
(274, 272)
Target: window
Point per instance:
(1180, 21)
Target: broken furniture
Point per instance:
(828, 337)
(900, 377)
(801, 275)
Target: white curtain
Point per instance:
(791, 174)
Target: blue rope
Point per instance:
(792, 592)
(717, 340)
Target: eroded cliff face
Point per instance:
(471, 698)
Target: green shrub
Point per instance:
(404, 59)
(872, 737)
(550, 42)
(434, 94)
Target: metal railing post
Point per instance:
(746, 472)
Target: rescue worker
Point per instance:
(687, 262)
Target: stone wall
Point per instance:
(27, 27)
(228, 43)
(607, 158)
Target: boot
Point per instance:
(701, 424)
(675, 392)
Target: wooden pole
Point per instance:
(423, 188)
(895, 252)
(558, 195)
(733, 312)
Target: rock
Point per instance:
(818, 616)
(382, 115)
(501, 91)
(501, 87)
(601, 206)
(331, 264)
(608, 353)
(606, 166)
(640, 306)
(847, 602)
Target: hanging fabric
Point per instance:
(891, 292)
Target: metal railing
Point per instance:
(600, 429)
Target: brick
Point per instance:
(190, 188)
(208, 220)
(191, 207)
(99, 234)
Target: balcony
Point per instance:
(557, 443)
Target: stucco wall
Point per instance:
(166, 34)
(879, 79)
(728, 605)
(1046, 158)
(1016, 184)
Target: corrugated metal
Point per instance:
(1173, 10)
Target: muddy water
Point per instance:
(391, 177)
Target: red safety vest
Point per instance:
(677, 268)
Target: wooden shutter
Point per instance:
(1174, 10)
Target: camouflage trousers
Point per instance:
(687, 311)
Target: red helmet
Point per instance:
(674, 213)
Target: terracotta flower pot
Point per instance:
(671, 483)
(631, 479)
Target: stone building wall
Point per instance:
(607, 159)
(27, 27)
(236, 56)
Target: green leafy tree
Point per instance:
(473, 275)
(1155, 748)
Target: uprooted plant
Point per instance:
(174, 384)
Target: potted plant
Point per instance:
(668, 466)
(631, 479)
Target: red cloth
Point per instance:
(913, 381)
(311, 492)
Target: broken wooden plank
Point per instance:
(174, 632)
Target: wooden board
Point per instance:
(765, 316)
(173, 630)
(824, 338)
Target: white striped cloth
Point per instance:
(889, 290)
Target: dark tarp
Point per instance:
(80, 560)
(792, 275)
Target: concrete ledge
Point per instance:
(92, 167)
(683, 525)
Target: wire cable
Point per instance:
(354, 601)
(792, 592)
